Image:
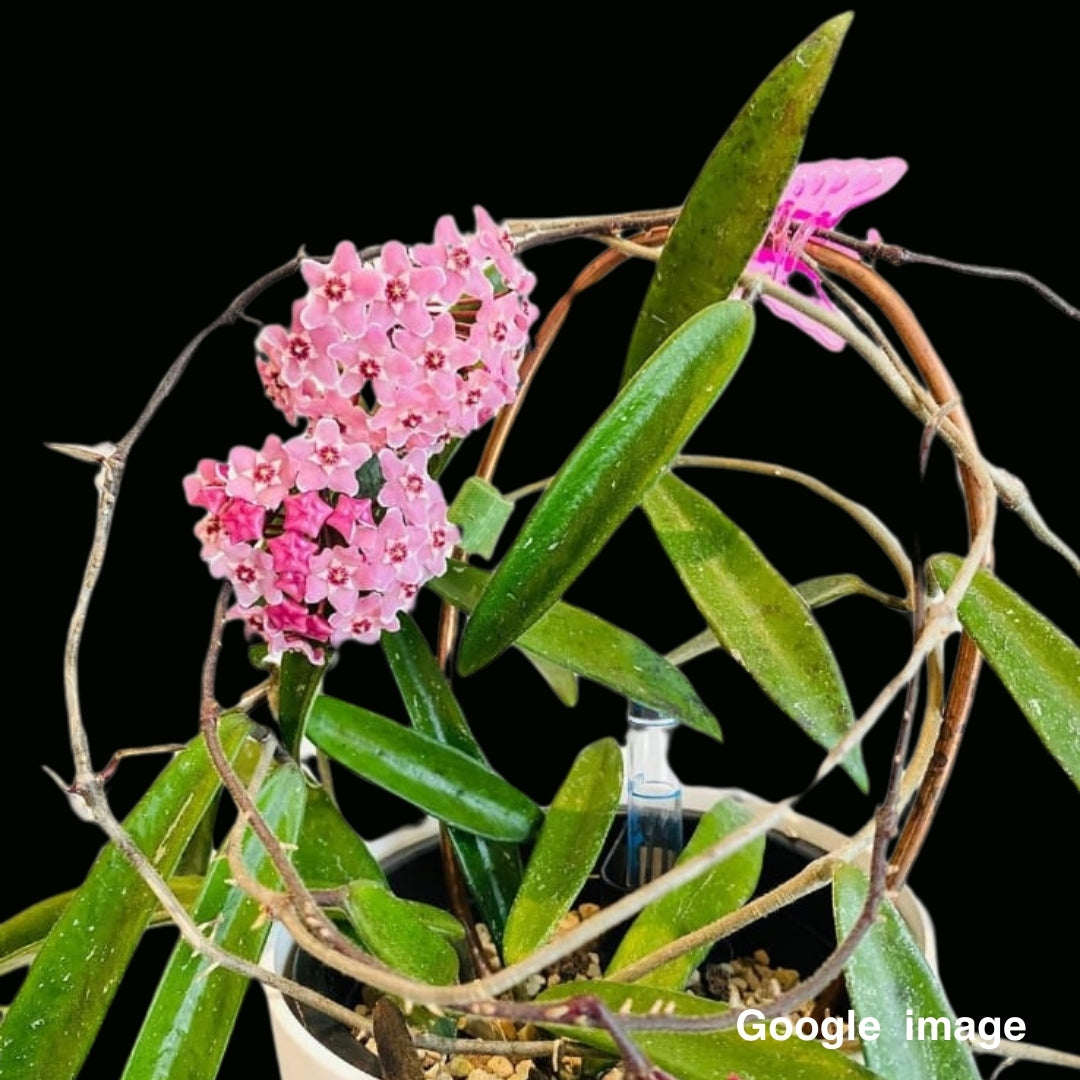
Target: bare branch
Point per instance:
(299, 897)
(1025, 1051)
(900, 256)
(111, 460)
(529, 234)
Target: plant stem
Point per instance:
(965, 679)
(900, 256)
(529, 234)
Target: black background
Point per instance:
(153, 185)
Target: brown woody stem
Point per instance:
(965, 676)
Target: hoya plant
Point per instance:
(407, 607)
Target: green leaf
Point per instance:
(297, 682)
(888, 978)
(443, 782)
(732, 201)
(590, 647)
(606, 475)
(573, 834)
(200, 848)
(56, 1015)
(329, 853)
(441, 922)
(429, 701)
(563, 682)
(754, 613)
(720, 890)
(191, 1017)
(394, 931)
(1038, 664)
(822, 591)
(22, 936)
(481, 511)
(464, 590)
(492, 870)
(715, 1055)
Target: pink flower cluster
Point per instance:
(413, 349)
(327, 536)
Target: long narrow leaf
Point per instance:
(717, 1055)
(429, 701)
(754, 613)
(56, 1015)
(594, 649)
(888, 979)
(1038, 664)
(191, 1017)
(296, 684)
(574, 831)
(22, 936)
(442, 781)
(492, 870)
(720, 890)
(606, 475)
(724, 218)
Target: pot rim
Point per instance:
(301, 1055)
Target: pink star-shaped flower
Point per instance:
(818, 195)
(407, 484)
(451, 253)
(341, 290)
(406, 290)
(324, 459)
(260, 476)
(336, 574)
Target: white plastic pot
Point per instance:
(302, 1057)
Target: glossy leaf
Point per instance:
(754, 613)
(492, 870)
(1038, 664)
(56, 1015)
(393, 930)
(573, 834)
(605, 476)
(297, 682)
(329, 853)
(888, 978)
(429, 701)
(22, 936)
(708, 1055)
(728, 210)
(191, 1017)
(200, 848)
(596, 650)
(463, 590)
(441, 781)
(720, 890)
